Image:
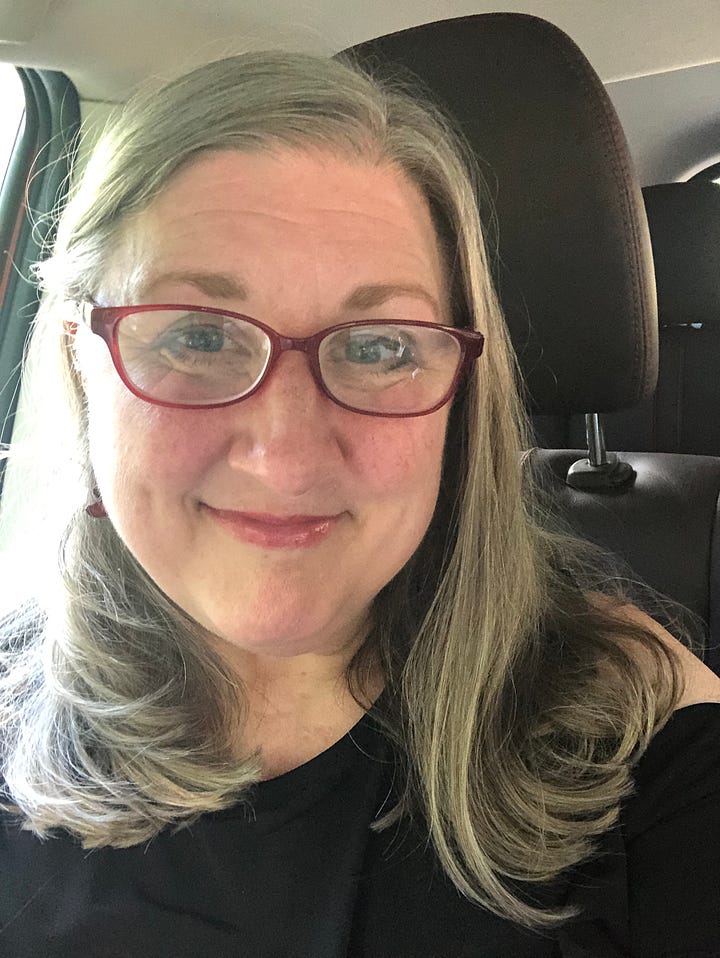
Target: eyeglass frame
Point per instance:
(103, 321)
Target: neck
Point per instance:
(291, 730)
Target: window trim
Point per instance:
(35, 184)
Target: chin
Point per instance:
(283, 636)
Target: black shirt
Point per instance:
(302, 876)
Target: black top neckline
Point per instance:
(298, 788)
(295, 790)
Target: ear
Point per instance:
(76, 338)
(75, 331)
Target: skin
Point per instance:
(299, 232)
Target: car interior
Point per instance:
(596, 128)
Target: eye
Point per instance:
(205, 339)
(199, 337)
(372, 348)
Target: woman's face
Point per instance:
(273, 522)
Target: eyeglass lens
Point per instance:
(182, 357)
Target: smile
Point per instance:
(274, 532)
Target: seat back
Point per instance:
(684, 221)
(574, 273)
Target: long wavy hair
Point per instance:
(516, 700)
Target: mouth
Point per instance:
(271, 531)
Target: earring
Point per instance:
(96, 509)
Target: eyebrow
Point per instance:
(375, 294)
(219, 285)
(227, 286)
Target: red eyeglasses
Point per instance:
(198, 357)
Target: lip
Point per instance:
(272, 531)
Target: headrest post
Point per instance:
(600, 470)
(595, 434)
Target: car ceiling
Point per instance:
(660, 59)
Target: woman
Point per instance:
(301, 598)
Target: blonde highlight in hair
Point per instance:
(517, 703)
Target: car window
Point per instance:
(11, 114)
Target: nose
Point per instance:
(288, 434)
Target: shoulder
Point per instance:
(700, 683)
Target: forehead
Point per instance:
(313, 208)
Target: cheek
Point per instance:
(403, 460)
(138, 450)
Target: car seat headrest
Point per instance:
(684, 223)
(573, 267)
